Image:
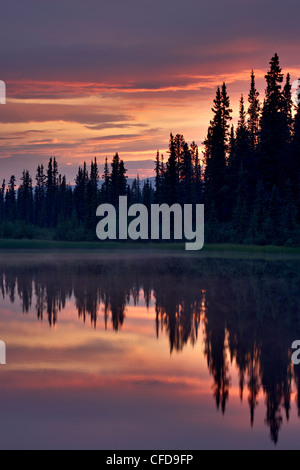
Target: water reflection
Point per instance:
(249, 311)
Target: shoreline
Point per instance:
(86, 250)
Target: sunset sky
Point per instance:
(91, 78)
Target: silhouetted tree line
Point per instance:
(248, 310)
(51, 207)
(250, 183)
(252, 173)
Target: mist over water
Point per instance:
(116, 351)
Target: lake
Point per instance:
(150, 350)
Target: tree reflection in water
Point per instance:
(250, 311)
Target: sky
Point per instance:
(92, 78)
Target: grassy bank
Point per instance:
(41, 245)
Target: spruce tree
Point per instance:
(171, 173)
(287, 103)
(232, 168)
(254, 113)
(105, 188)
(10, 209)
(118, 180)
(186, 175)
(287, 123)
(158, 178)
(52, 193)
(62, 198)
(136, 193)
(81, 181)
(226, 114)
(148, 195)
(294, 162)
(122, 179)
(216, 146)
(246, 155)
(25, 199)
(92, 199)
(273, 129)
(197, 173)
(179, 143)
(40, 197)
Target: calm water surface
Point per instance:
(149, 352)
